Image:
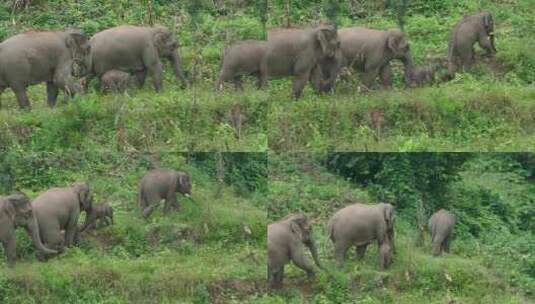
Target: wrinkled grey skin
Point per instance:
(135, 50)
(163, 184)
(476, 28)
(296, 52)
(325, 73)
(359, 225)
(16, 211)
(286, 241)
(240, 59)
(59, 209)
(101, 214)
(114, 81)
(419, 76)
(42, 56)
(370, 52)
(441, 226)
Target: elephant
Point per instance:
(102, 214)
(441, 226)
(358, 225)
(296, 52)
(471, 29)
(241, 58)
(324, 75)
(136, 50)
(59, 209)
(285, 241)
(16, 211)
(43, 56)
(370, 52)
(161, 184)
(114, 81)
(420, 76)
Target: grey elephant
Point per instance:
(286, 241)
(370, 51)
(441, 226)
(359, 225)
(324, 75)
(59, 209)
(162, 184)
(42, 56)
(16, 211)
(114, 81)
(471, 29)
(136, 50)
(420, 76)
(240, 59)
(296, 52)
(100, 214)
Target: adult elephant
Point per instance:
(370, 52)
(441, 226)
(240, 59)
(16, 211)
(136, 50)
(286, 241)
(296, 52)
(59, 209)
(42, 56)
(471, 29)
(163, 184)
(359, 225)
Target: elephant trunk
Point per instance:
(407, 61)
(90, 218)
(33, 231)
(177, 67)
(314, 251)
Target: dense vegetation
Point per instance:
(490, 108)
(492, 195)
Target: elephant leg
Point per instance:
(71, 230)
(437, 248)
(447, 245)
(258, 80)
(10, 250)
(237, 82)
(171, 203)
(156, 73)
(485, 43)
(263, 75)
(361, 251)
(22, 97)
(52, 94)
(298, 258)
(368, 78)
(386, 76)
(275, 276)
(340, 249)
(299, 84)
(140, 77)
(149, 210)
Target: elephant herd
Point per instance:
(356, 225)
(51, 219)
(125, 54)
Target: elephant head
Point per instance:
(183, 183)
(18, 209)
(167, 47)
(390, 218)
(488, 25)
(398, 46)
(327, 38)
(85, 196)
(302, 229)
(79, 47)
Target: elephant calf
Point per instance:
(101, 214)
(441, 226)
(419, 76)
(241, 58)
(358, 225)
(286, 241)
(163, 184)
(114, 81)
(16, 211)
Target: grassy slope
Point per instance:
(463, 276)
(190, 255)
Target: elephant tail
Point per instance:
(330, 229)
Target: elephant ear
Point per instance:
(392, 42)
(8, 209)
(183, 183)
(76, 41)
(322, 37)
(84, 196)
(388, 213)
(488, 22)
(160, 38)
(297, 226)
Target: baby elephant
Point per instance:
(103, 214)
(114, 81)
(287, 239)
(241, 58)
(420, 76)
(441, 228)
